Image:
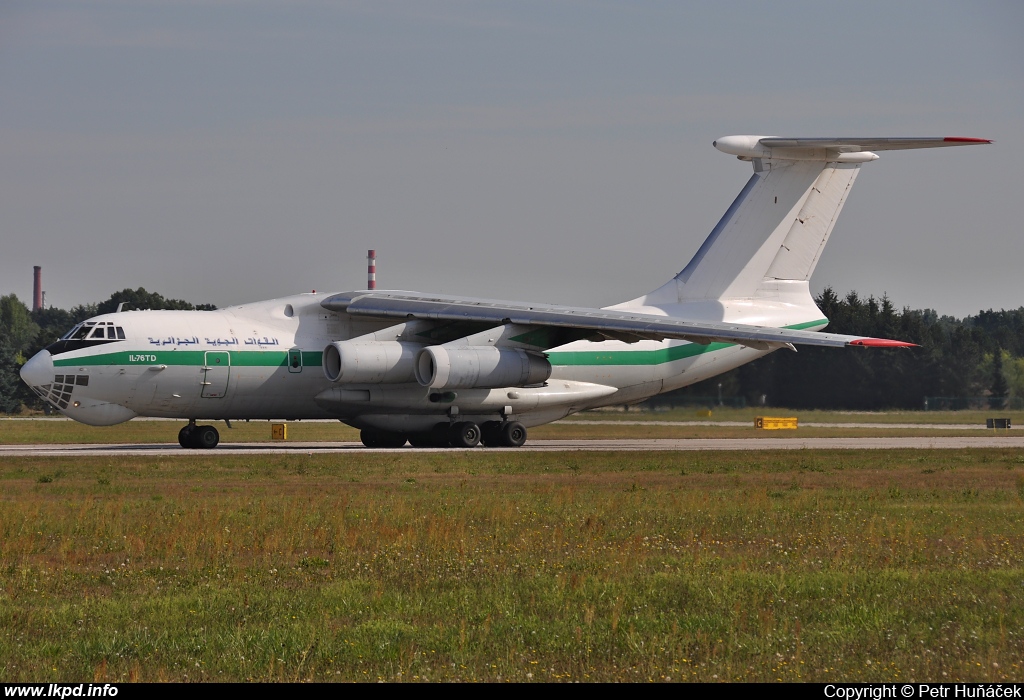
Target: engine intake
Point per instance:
(440, 367)
(376, 362)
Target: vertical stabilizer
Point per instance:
(777, 227)
(799, 253)
(734, 259)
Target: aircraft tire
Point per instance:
(205, 437)
(420, 440)
(382, 438)
(513, 434)
(186, 436)
(464, 434)
(490, 433)
(439, 435)
(389, 439)
(435, 437)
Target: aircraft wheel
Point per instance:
(490, 433)
(513, 434)
(464, 434)
(419, 440)
(186, 436)
(381, 438)
(205, 437)
(429, 439)
(389, 439)
(439, 435)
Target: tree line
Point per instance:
(977, 356)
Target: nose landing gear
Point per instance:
(198, 437)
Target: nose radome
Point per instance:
(39, 369)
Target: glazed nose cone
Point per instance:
(38, 370)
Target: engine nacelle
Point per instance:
(481, 367)
(370, 362)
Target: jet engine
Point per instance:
(440, 367)
(374, 362)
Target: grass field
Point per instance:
(897, 565)
(65, 431)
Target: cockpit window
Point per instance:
(92, 330)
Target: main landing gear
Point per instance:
(198, 437)
(461, 434)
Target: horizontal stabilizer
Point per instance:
(872, 143)
(853, 149)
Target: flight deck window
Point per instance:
(111, 333)
(120, 333)
(81, 333)
(97, 332)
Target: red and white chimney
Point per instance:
(371, 269)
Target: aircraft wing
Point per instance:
(591, 322)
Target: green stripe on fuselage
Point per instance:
(196, 358)
(651, 357)
(634, 357)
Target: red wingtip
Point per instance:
(966, 139)
(882, 343)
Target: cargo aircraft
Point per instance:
(444, 371)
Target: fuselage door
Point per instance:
(216, 371)
(294, 360)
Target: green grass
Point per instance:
(66, 431)
(880, 566)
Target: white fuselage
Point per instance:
(263, 361)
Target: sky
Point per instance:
(222, 151)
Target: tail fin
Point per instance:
(776, 229)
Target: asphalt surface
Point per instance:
(795, 443)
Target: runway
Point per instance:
(654, 445)
(803, 424)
